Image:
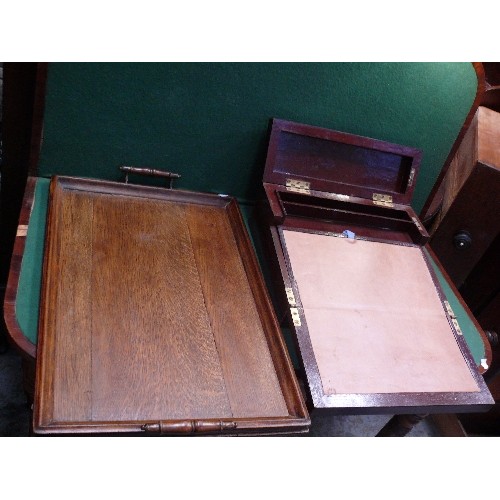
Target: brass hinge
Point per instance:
(295, 316)
(384, 200)
(449, 310)
(290, 296)
(452, 316)
(298, 186)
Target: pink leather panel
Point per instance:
(375, 320)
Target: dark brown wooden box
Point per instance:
(155, 318)
(463, 236)
(373, 328)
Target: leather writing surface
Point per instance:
(374, 317)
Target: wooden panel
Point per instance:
(488, 137)
(321, 160)
(338, 162)
(480, 144)
(252, 383)
(460, 168)
(149, 321)
(146, 289)
(73, 328)
(474, 210)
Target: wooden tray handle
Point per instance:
(189, 426)
(151, 172)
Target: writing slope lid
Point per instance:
(338, 162)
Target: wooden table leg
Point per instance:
(400, 425)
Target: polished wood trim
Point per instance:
(324, 208)
(226, 427)
(23, 344)
(429, 208)
(407, 170)
(140, 191)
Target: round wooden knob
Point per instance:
(462, 240)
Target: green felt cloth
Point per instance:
(30, 279)
(209, 121)
(469, 331)
(28, 296)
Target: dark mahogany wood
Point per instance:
(491, 97)
(155, 318)
(378, 402)
(466, 236)
(482, 224)
(24, 345)
(318, 211)
(337, 162)
(467, 241)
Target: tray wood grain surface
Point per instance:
(149, 316)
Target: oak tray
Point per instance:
(154, 318)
